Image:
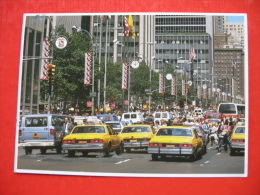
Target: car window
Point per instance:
(58, 121)
(157, 115)
(88, 129)
(174, 132)
(35, 121)
(138, 129)
(126, 116)
(115, 125)
(240, 130)
(164, 115)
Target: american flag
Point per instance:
(234, 64)
(192, 54)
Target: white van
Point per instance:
(135, 117)
(167, 116)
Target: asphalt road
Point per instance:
(137, 162)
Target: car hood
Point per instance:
(85, 136)
(171, 139)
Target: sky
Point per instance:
(236, 19)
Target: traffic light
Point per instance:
(51, 70)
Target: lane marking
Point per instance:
(122, 161)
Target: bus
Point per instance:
(232, 110)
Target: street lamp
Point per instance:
(79, 29)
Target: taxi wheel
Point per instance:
(43, 151)
(84, 153)
(232, 152)
(193, 157)
(106, 152)
(122, 148)
(154, 157)
(163, 157)
(118, 150)
(28, 151)
(71, 153)
(58, 150)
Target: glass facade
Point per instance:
(30, 83)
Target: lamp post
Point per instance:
(79, 29)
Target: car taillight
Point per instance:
(237, 140)
(155, 145)
(52, 131)
(185, 145)
(96, 141)
(20, 132)
(69, 141)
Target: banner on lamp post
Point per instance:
(209, 93)
(124, 75)
(183, 87)
(161, 82)
(199, 92)
(87, 76)
(173, 86)
(45, 62)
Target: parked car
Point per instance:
(136, 136)
(134, 117)
(237, 139)
(176, 141)
(41, 131)
(117, 126)
(107, 117)
(92, 138)
(167, 116)
(210, 115)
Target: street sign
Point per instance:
(93, 94)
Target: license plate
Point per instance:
(170, 146)
(133, 141)
(35, 136)
(82, 142)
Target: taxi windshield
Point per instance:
(136, 130)
(88, 129)
(174, 132)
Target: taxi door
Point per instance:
(115, 141)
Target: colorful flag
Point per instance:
(124, 75)
(234, 64)
(192, 54)
(45, 61)
(131, 25)
(127, 27)
(88, 67)
(161, 82)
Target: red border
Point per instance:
(10, 39)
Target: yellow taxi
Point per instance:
(237, 139)
(136, 136)
(92, 138)
(176, 141)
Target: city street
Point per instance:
(138, 161)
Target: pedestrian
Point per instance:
(156, 126)
(205, 128)
(163, 122)
(213, 137)
(66, 128)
